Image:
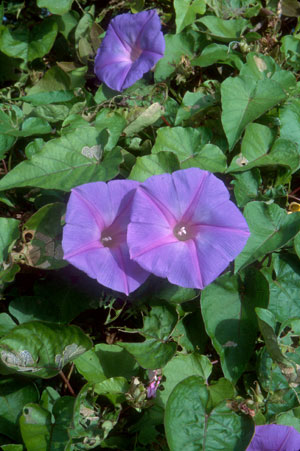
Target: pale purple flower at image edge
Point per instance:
(131, 47)
(275, 437)
(184, 227)
(94, 237)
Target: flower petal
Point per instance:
(172, 260)
(271, 437)
(104, 200)
(156, 197)
(111, 267)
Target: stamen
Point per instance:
(182, 232)
(107, 240)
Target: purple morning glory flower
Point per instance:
(184, 227)
(275, 437)
(131, 47)
(94, 237)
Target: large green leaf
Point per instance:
(181, 367)
(289, 120)
(160, 322)
(190, 333)
(29, 44)
(259, 150)
(267, 325)
(245, 99)
(154, 164)
(218, 53)
(184, 142)
(6, 324)
(284, 283)
(40, 349)
(40, 432)
(263, 67)
(191, 147)
(227, 307)
(106, 361)
(113, 122)
(177, 46)
(147, 117)
(46, 98)
(14, 394)
(151, 353)
(271, 228)
(56, 6)
(66, 162)
(224, 30)
(192, 426)
(192, 104)
(9, 232)
(186, 12)
(246, 186)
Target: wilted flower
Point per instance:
(131, 47)
(155, 377)
(275, 437)
(94, 237)
(184, 227)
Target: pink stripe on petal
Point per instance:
(94, 212)
(158, 243)
(120, 258)
(160, 206)
(126, 46)
(195, 260)
(189, 212)
(87, 247)
(198, 228)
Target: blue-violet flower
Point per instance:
(184, 227)
(275, 437)
(131, 47)
(94, 237)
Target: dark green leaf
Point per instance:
(190, 425)
(271, 228)
(66, 162)
(155, 164)
(29, 44)
(9, 232)
(41, 350)
(284, 283)
(186, 12)
(227, 307)
(224, 30)
(181, 367)
(244, 100)
(13, 395)
(106, 361)
(55, 6)
(151, 354)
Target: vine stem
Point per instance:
(67, 382)
(4, 166)
(165, 121)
